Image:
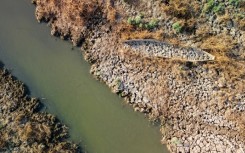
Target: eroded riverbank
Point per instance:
(57, 74)
(200, 105)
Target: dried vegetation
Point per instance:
(23, 128)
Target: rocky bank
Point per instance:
(23, 127)
(200, 105)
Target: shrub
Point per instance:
(140, 23)
(215, 7)
(177, 27)
(138, 20)
(234, 2)
(219, 9)
(135, 20)
(209, 6)
(130, 21)
(152, 24)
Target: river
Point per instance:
(59, 75)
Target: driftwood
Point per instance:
(154, 48)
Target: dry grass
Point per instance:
(238, 118)
(232, 71)
(111, 14)
(241, 24)
(184, 9)
(224, 18)
(132, 2)
(2, 141)
(174, 41)
(145, 34)
(128, 32)
(218, 43)
(69, 19)
(37, 132)
(203, 31)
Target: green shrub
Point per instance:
(219, 9)
(214, 7)
(138, 19)
(130, 21)
(209, 6)
(177, 27)
(135, 20)
(234, 2)
(152, 24)
(141, 25)
(139, 22)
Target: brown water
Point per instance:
(52, 70)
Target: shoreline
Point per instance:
(181, 109)
(199, 104)
(33, 129)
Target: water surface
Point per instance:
(52, 70)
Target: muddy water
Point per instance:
(58, 74)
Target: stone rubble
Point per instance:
(189, 101)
